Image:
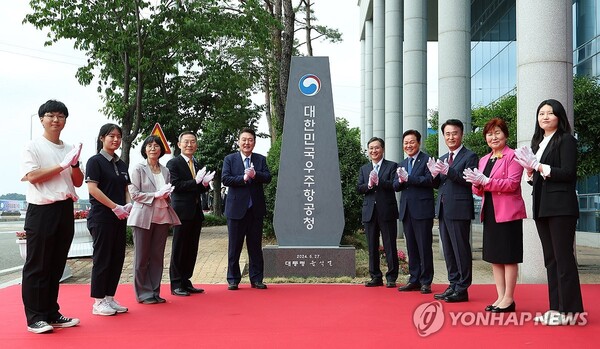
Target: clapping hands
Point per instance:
(402, 174)
(475, 177)
(526, 158)
(373, 179)
(165, 191)
(431, 166)
(72, 157)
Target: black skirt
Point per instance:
(502, 242)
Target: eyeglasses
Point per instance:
(55, 116)
(152, 146)
(192, 142)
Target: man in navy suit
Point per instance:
(245, 173)
(454, 209)
(379, 212)
(189, 183)
(416, 212)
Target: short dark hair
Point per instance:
(185, 133)
(52, 106)
(153, 139)
(415, 133)
(493, 123)
(453, 122)
(104, 131)
(376, 139)
(248, 130)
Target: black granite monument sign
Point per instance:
(309, 213)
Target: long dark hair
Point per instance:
(563, 124)
(104, 131)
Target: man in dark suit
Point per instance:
(379, 212)
(416, 212)
(454, 209)
(189, 183)
(245, 173)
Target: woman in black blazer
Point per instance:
(552, 171)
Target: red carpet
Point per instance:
(298, 316)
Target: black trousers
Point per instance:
(557, 235)
(184, 251)
(389, 233)
(454, 235)
(108, 257)
(249, 227)
(419, 241)
(49, 230)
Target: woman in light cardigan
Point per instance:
(498, 181)
(151, 218)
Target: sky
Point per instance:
(30, 74)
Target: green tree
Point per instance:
(586, 102)
(12, 196)
(431, 141)
(351, 157)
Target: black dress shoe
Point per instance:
(490, 307)
(457, 297)
(445, 294)
(149, 301)
(192, 289)
(390, 284)
(510, 309)
(425, 289)
(232, 287)
(374, 283)
(160, 299)
(180, 292)
(259, 285)
(409, 287)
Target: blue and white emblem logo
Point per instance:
(309, 85)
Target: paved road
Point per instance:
(9, 251)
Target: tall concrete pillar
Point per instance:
(393, 80)
(379, 68)
(454, 63)
(544, 70)
(362, 91)
(368, 130)
(415, 66)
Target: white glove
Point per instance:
(431, 166)
(128, 206)
(207, 178)
(475, 176)
(526, 158)
(373, 179)
(121, 211)
(164, 192)
(72, 157)
(250, 171)
(200, 175)
(402, 174)
(442, 167)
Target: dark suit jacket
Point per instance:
(382, 194)
(185, 198)
(418, 191)
(240, 192)
(453, 189)
(556, 195)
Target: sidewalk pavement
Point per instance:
(211, 265)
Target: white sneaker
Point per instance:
(39, 327)
(551, 318)
(103, 308)
(116, 306)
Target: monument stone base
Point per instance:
(309, 261)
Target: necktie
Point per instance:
(410, 164)
(377, 168)
(247, 165)
(451, 159)
(192, 169)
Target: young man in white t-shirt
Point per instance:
(52, 169)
